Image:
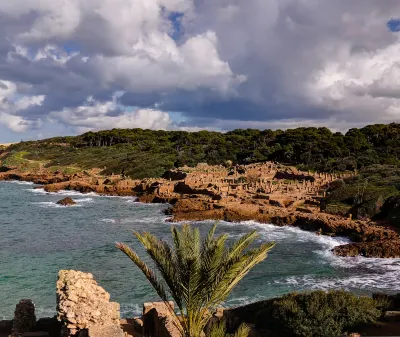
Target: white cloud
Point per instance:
(294, 61)
(156, 63)
(10, 106)
(95, 115)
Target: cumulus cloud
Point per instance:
(10, 106)
(224, 64)
(96, 115)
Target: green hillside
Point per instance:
(373, 150)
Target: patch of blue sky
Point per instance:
(394, 25)
(176, 20)
(71, 47)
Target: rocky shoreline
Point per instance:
(266, 193)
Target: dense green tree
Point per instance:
(309, 148)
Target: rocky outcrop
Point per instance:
(374, 241)
(380, 249)
(66, 202)
(84, 308)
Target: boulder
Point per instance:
(66, 202)
(84, 308)
(379, 249)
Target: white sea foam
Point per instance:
(109, 220)
(77, 193)
(358, 273)
(134, 220)
(374, 275)
(132, 200)
(50, 204)
(18, 182)
(148, 220)
(282, 233)
(84, 200)
(129, 310)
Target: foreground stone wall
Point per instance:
(84, 308)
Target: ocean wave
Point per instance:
(282, 233)
(18, 182)
(77, 193)
(109, 220)
(374, 282)
(67, 193)
(135, 220)
(51, 204)
(129, 310)
(243, 300)
(84, 200)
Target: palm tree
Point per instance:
(199, 274)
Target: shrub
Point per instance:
(317, 314)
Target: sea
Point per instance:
(38, 238)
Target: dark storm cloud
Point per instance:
(258, 61)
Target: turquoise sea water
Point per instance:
(38, 238)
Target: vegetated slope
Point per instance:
(145, 153)
(365, 195)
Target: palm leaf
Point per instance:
(199, 274)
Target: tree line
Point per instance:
(310, 148)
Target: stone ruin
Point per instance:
(24, 318)
(84, 308)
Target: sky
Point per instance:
(72, 66)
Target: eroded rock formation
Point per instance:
(382, 248)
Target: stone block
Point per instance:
(103, 331)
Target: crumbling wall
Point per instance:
(84, 308)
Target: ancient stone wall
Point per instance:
(84, 308)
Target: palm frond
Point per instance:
(199, 274)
